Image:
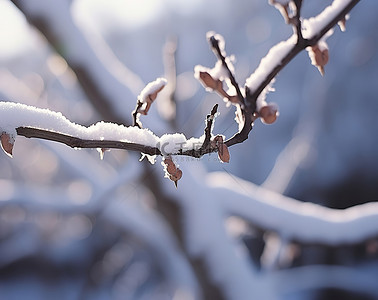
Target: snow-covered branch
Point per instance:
(284, 215)
(31, 122)
(313, 30)
(308, 34)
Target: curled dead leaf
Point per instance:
(170, 166)
(149, 94)
(342, 23)
(153, 95)
(7, 143)
(223, 153)
(176, 176)
(319, 57)
(172, 172)
(209, 82)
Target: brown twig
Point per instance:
(297, 23)
(246, 112)
(215, 45)
(209, 124)
(75, 142)
(135, 115)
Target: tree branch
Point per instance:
(297, 48)
(284, 215)
(75, 142)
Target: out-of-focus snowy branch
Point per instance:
(222, 195)
(287, 216)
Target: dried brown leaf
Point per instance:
(170, 166)
(342, 23)
(7, 143)
(319, 57)
(153, 95)
(176, 176)
(209, 82)
(223, 153)
(172, 172)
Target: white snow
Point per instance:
(194, 143)
(13, 115)
(269, 62)
(172, 143)
(314, 25)
(152, 88)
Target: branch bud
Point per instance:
(268, 113)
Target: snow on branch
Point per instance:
(284, 215)
(312, 31)
(32, 122)
(308, 34)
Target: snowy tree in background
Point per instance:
(76, 227)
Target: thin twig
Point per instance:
(135, 114)
(297, 20)
(215, 45)
(76, 142)
(209, 124)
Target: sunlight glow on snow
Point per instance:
(101, 15)
(118, 13)
(14, 31)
